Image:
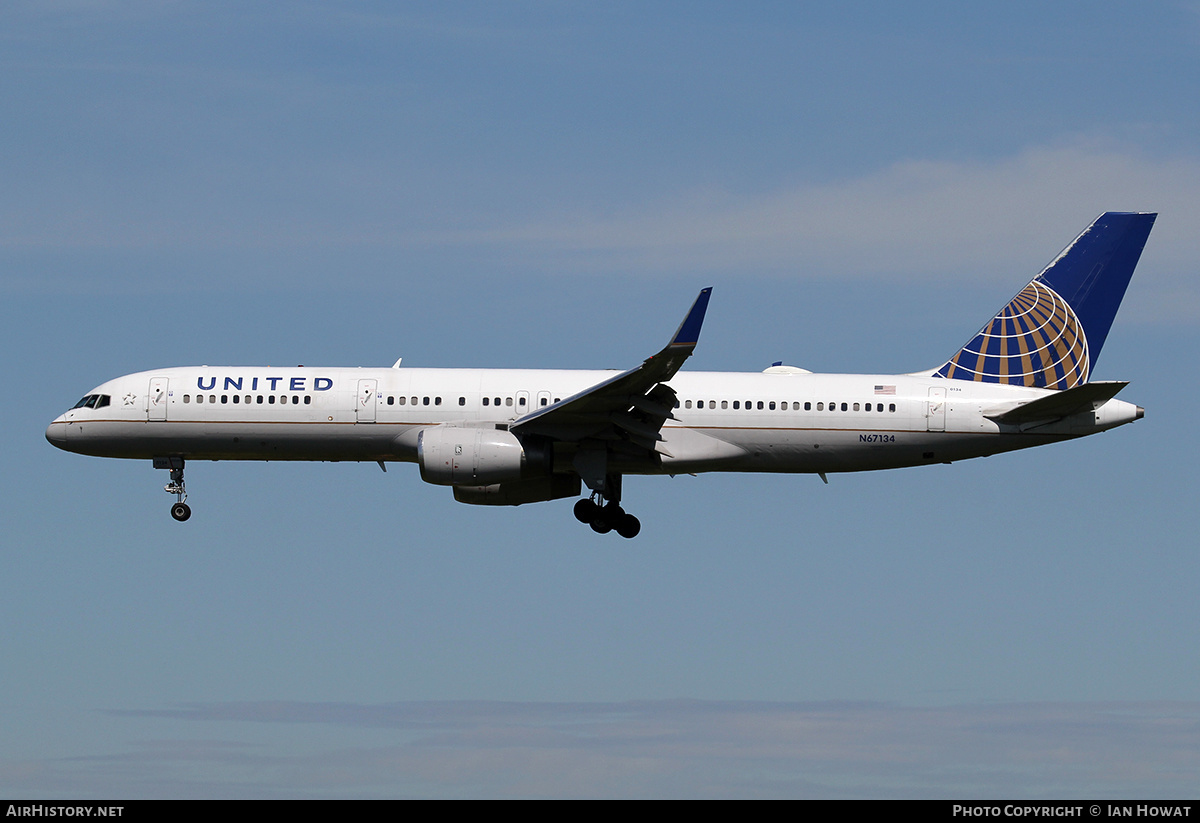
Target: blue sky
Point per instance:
(549, 185)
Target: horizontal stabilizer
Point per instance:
(1085, 398)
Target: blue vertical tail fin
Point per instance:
(1051, 333)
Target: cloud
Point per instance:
(935, 217)
(679, 748)
(995, 221)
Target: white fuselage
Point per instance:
(725, 421)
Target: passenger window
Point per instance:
(737, 404)
(760, 405)
(545, 401)
(224, 399)
(258, 400)
(844, 407)
(283, 399)
(856, 407)
(424, 401)
(187, 398)
(485, 401)
(249, 400)
(891, 407)
(807, 405)
(414, 401)
(462, 401)
(237, 398)
(437, 401)
(508, 401)
(295, 399)
(820, 407)
(771, 405)
(724, 404)
(391, 400)
(308, 400)
(521, 401)
(687, 404)
(402, 399)
(270, 400)
(212, 398)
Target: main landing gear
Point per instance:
(606, 517)
(179, 510)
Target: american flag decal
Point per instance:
(885, 389)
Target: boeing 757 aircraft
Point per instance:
(512, 436)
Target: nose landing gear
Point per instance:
(179, 510)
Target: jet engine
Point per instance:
(460, 456)
(517, 492)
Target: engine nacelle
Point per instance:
(459, 456)
(517, 492)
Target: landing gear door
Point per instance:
(936, 416)
(156, 404)
(365, 405)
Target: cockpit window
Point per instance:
(93, 401)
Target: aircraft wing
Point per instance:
(626, 411)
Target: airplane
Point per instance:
(510, 437)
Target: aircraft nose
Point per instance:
(56, 433)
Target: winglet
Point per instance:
(688, 333)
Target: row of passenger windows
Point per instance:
(98, 400)
(237, 398)
(521, 402)
(95, 401)
(437, 401)
(782, 405)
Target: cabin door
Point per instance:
(936, 414)
(156, 406)
(365, 406)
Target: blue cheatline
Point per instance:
(1051, 333)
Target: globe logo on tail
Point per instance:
(1036, 340)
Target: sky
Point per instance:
(538, 184)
